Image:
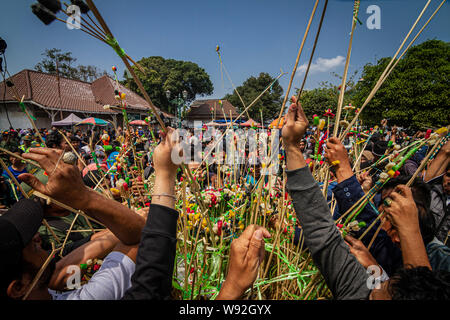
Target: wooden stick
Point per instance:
(21, 158)
(313, 50)
(39, 274)
(62, 205)
(300, 50)
(382, 77)
(344, 78)
(68, 234)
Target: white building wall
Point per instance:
(18, 119)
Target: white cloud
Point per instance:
(322, 65)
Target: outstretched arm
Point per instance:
(155, 259)
(66, 185)
(345, 277)
(404, 216)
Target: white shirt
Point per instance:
(110, 282)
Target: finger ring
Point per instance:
(70, 158)
(387, 202)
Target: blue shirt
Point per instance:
(15, 173)
(387, 254)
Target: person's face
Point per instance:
(64, 146)
(387, 225)
(33, 252)
(15, 161)
(302, 146)
(446, 182)
(33, 258)
(75, 144)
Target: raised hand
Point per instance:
(403, 214)
(65, 185)
(246, 254)
(64, 180)
(359, 250)
(402, 211)
(336, 155)
(295, 126)
(163, 155)
(365, 180)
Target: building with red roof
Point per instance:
(51, 98)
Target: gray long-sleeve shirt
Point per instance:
(344, 275)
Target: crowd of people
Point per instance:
(77, 189)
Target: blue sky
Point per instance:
(254, 35)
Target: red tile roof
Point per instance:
(201, 109)
(76, 96)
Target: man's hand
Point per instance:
(335, 151)
(361, 253)
(65, 185)
(403, 212)
(162, 156)
(165, 169)
(365, 180)
(295, 125)
(404, 216)
(246, 254)
(293, 130)
(64, 180)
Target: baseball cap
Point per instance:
(17, 228)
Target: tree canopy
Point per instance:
(66, 68)
(326, 96)
(269, 103)
(417, 92)
(168, 74)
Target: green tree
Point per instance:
(65, 62)
(317, 100)
(168, 74)
(269, 103)
(417, 92)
